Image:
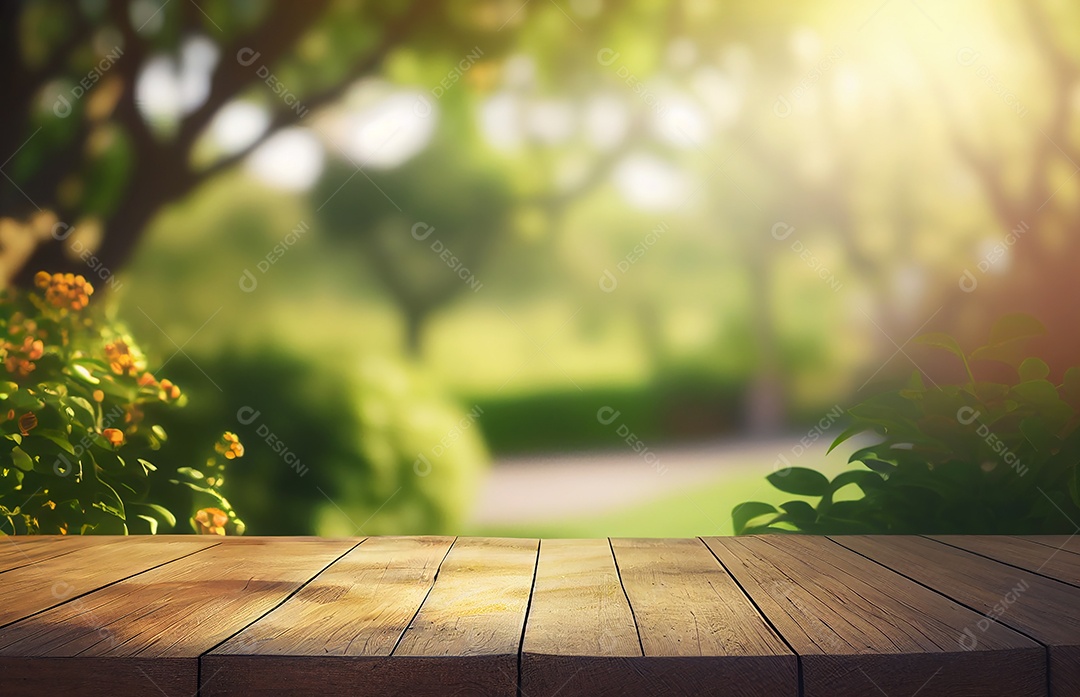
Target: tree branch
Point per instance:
(288, 117)
(272, 40)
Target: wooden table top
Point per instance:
(771, 615)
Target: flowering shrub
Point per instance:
(79, 427)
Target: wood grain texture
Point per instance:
(1042, 608)
(577, 585)
(23, 550)
(425, 616)
(699, 632)
(1055, 563)
(1066, 543)
(59, 579)
(860, 629)
(145, 634)
(466, 638)
(356, 610)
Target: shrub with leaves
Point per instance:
(79, 427)
(976, 457)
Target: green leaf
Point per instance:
(151, 521)
(83, 373)
(1040, 437)
(1033, 369)
(1041, 393)
(1015, 326)
(57, 437)
(1008, 337)
(109, 501)
(860, 478)
(83, 409)
(800, 481)
(944, 341)
(1070, 387)
(163, 513)
(848, 433)
(21, 460)
(879, 466)
(745, 512)
(799, 512)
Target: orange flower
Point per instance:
(64, 290)
(210, 521)
(230, 446)
(27, 422)
(169, 390)
(114, 435)
(19, 358)
(99, 396)
(122, 359)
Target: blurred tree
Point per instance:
(78, 143)
(427, 226)
(1037, 212)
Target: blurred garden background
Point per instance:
(559, 267)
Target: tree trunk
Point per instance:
(414, 330)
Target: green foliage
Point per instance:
(331, 449)
(80, 427)
(978, 457)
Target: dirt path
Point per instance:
(550, 487)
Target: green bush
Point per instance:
(330, 449)
(80, 427)
(977, 457)
(423, 456)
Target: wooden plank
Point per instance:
(23, 550)
(466, 638)
(1040, 607)
(145, 634)
(699, 633)
(52, 581)
(1066, 543)
(1059, 564)
(860, 629)
(336, 630)
(577, 585)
